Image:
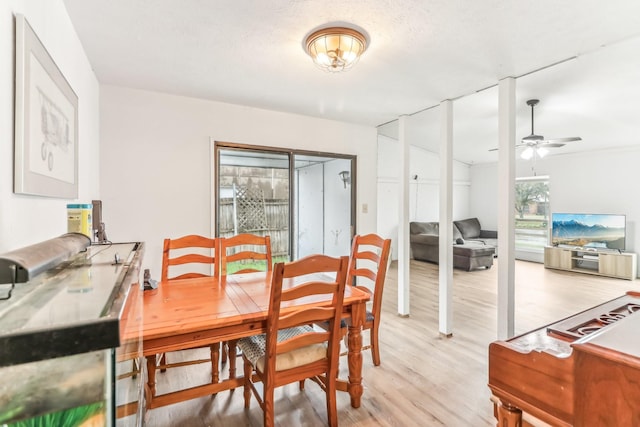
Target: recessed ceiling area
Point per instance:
(420, 52)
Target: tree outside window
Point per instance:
(532, 214)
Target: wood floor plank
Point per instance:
(424, 379)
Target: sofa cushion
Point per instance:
(426, 239)
(424, 228)
(433, 228)
(488, 234)
(473, 250)
(469, 228)
(456, 234)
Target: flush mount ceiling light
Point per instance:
(336, 49)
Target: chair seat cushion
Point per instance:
(369, 317)
(344, 323)
(254, 349)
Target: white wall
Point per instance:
(337, 209)
(423, 190)
(602, 181)
(310, 201)
(25, 220)
(483, 197)
(156, 163)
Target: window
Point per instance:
(531, 217)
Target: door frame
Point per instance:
(217, 146)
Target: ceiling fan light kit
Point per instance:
(529, 152)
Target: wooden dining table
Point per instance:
(200, 312)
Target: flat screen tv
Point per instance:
(591, 231)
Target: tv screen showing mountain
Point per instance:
(598, 231)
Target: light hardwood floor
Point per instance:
(424, 379)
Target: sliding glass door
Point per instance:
(304, 201)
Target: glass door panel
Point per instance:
(531, 217)
(323, 212)
(253, 196)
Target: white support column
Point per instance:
(446, 228)
(403, 220)
(506, 198)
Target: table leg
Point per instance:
(215, 357)
(354, 340)
(151, 374)
(232, 357)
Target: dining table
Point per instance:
(205, 311)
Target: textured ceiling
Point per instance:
(421, 52)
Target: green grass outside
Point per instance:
(256, 265)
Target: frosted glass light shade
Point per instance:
(527, 153)
(541, 151)
(336, 49)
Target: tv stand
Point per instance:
(623, 265)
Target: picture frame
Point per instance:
(46, 122)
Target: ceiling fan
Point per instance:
(536, 145)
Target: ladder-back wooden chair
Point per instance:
(367, 271)
(177, 254)
(242, 253)
(292, 350)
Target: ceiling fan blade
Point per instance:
(517, 146)
(563, 140)
(538, 145)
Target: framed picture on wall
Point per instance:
(46, 122)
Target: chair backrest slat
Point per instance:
(365, 272)
(248, 255)
(305, 317)
(191, 258)
(302, 341)
(371, 256)
(308, 288)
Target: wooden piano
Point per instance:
(583, 370)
